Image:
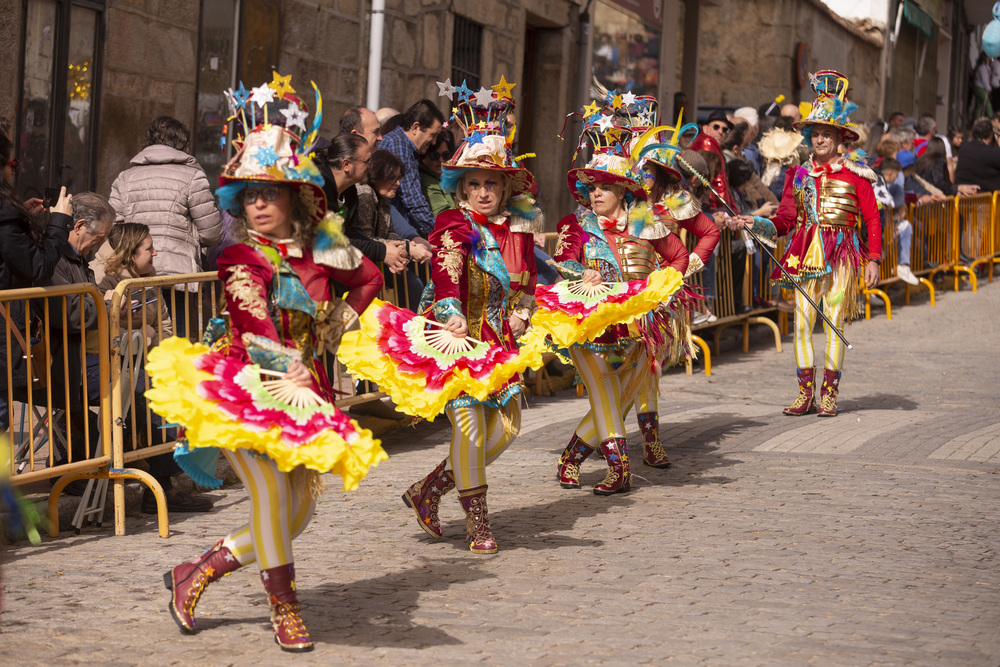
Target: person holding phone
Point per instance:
(26, 259)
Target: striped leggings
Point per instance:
(281, 507)
(479, 435)
(829, 288)
(608, 405)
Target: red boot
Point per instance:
(187, 581)
(653, 454)
(576, 452)
(804, 401)
(424, 497)
(618, 479)
(477, 520)
(289, 632)
(828, 394)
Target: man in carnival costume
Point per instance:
(825, 204)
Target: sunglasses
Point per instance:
(13, 164)
(269, 194)
(725, 129)
(439, 155)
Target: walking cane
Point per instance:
(763, 247)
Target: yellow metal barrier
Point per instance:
(976, 218)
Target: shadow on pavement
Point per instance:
(877, 402)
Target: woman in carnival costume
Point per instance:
(653, 154)
(282, 284)
(613, 238)
(483, 283)
(824, 202)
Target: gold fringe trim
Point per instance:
(523, 225)
(340, 257)
(315, 484)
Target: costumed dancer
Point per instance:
(653, 153)
(611, 238)
(483, 283)
(282, 284)
(824, 203)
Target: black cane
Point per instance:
(763, 247)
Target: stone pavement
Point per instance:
(870, 539)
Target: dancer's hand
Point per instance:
(871, 274)
(592, 277)
(299, 374)
(517, 325)
(457, 325)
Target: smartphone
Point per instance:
(51, 197)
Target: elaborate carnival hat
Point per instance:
(660, 146)
(489, 135)
(831, 108)
(273, 144)
(780, 145)
(609, 131)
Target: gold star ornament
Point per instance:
(792, 262)
(281, 85)
(503, 89)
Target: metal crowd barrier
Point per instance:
(936, 237)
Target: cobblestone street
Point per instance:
(868, 539)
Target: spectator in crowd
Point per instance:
(904, 136)
(362, 122)
(750, 150)
(370, 230)
(430, 173)
(346, 163)
(791, 111)
(886, 148)
(927, 130)
(912, 184)
(896, 119)
(700, 165)
(421, 125)
(24, 262)
(682, 103)
(979, 159)
(932, 166)
(738, 172)
(956, 136)
(384, 114)
(904, 231)
(167, 190)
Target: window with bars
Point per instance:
(466, 52)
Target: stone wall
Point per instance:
(10, 57)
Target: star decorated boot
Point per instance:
(568, 472)
(188, 581)
(477, 520)
(289, 631)
(424, 498)
(828, 394)
(618, 479)
(804, 401)
(653, 453)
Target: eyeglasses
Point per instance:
(13, 164)
(269, 194)
(439, 155)
(725, 129)
(364, 162)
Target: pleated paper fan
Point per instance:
(223, 402)
(421, 367)
(570, 313)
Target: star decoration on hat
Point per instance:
(484, 97)
(262, 95)
(445, 89)
(464, 92)
(605, 123)
(503, 89)
(230, 101)
(475, 138)
(241, 95)
(646, 117)
(611, 95)
(266, 156)
(590, 110)
(294, 116)
(628, 99)
(281, 85)
(616, 101)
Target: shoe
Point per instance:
(903, 273)
(828, 394)
(477, 520)
(759, 302)
(568, 472)
(699, 318)
(289, 631)
(785, 306)
(711, 318)
(653, 454)
(618, 479)
(424, 498)
(188, 581)
(379, 409)
(177, 501)
(804, 401)
(743, 310)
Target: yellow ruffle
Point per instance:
(565, 330)
(359, 351)
(174, 396)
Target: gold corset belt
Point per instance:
(637, 257)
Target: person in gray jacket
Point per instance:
(167, 190)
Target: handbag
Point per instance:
(40, 360)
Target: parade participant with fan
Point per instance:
(674, 208)
(281, 282)
(483, 274)
(823, 202)
(614, 239)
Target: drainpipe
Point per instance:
(376, 34)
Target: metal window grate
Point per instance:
(466, 52)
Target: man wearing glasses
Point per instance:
(709, 140)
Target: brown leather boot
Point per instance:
(618, 479)
(289, 632)
(804, 401)
(477, 520)
(576, 452)
(828, 394)
(187, 581)
(424, 498)
(653, 454)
